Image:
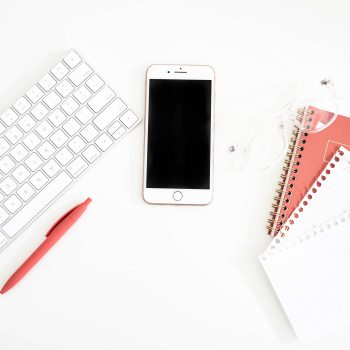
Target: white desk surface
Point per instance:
(134, 276)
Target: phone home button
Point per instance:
(177, 195)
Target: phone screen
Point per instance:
(179, 128)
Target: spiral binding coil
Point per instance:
(314, 190)
(292, 161)
(292, 239)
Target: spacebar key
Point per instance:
(42, 199)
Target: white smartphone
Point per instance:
(179, 135)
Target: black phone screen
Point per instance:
(179, 131)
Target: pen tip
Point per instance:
(87, 201)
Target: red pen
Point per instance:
(59, 228)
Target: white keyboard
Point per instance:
(51, 136)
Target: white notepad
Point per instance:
(309, 267)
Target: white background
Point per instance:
(134, 276)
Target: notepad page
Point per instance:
(328, 197)
(311, 278)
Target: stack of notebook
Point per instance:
(308, 262)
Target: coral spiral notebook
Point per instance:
(310, 152)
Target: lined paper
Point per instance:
(309, 267)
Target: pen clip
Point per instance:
(60, 220)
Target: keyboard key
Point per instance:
(46, 150)
(76, 144)
(72, 59)
(9, 117)
(95, 83)
(37, 204)
(21, 105)
(7, 185)
(38, 180)
(52, 100)
(104, 142)
(77, 166)
(14, 134)
(114, 127)
(51, 168)
(39, 111)
(65, 88)
(33, 162)
(3, 217)
(129, 119)
(80, 74)
(82, 94)
(21, 173)
(102, 98)
(47, 82)
(59, 71)
(12, 204)
(57, 117)
(84, 115)
(26, 191)
(19, 152)
(109, 114)
(4, 146)
(64, 156)
(31, 141)
(91, 153)
(59, 138)
(119, 133)
(89, 133)
(69, 106)
(34, 94)
(44, 129)
(72, 126)
(26, 123)
(6, 164)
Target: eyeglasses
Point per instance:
(266, 143)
